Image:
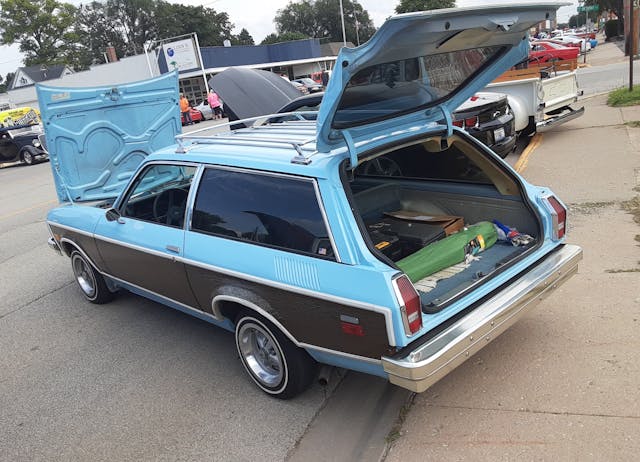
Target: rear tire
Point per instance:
(91, 283)
(273, 362)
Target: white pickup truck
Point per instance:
(537, 103)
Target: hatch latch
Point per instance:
(113, 94)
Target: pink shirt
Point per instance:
(213, 99)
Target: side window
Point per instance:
(276, 211)
(159, 194)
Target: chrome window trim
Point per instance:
(118, 203)
(319, 201)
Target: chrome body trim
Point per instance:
(417, 368)
(548, 124)
(53, 245)
(268, 282)
(385, 311)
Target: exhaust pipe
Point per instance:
(324, 375)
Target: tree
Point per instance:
(407, 6)
(243, 38)
(44, 29)
(173, 20)
(321, 19)
(285, 37)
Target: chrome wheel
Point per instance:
(27, 158)
(84, 275)
(261, 354)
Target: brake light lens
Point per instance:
(471, 122)
(409, 305)
(458, 123)
(558, 216)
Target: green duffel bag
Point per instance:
(449, 251)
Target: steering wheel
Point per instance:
(382, 166)
(169, 206)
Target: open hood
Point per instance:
(250, 93)
(97, 137)
(419, 67)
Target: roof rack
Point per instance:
(252, 132)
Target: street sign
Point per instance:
(582, 9)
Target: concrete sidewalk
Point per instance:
(563, 383)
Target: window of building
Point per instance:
(270, 210)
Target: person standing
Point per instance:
(214, 102)
(185, 108)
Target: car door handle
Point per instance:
(173, 248)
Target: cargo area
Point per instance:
(445, 213)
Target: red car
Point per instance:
(196, 116)
(543, 51)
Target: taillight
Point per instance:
(409, 305)
(558, 217)
(471, 122)
(458, 123)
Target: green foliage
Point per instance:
(407, 6)
(285, 37)
(611, 28)
(322, 19)
(624, 97)
(243, 38)
(45, 29)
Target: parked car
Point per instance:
(196, 116)
(486, 116)
(569, 40)
(21, 143)
(542, 51)
(300, 87)
(204, 109)
(311, 85)
(379, 238)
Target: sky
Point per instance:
(257, 17)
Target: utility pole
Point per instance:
(344, 34)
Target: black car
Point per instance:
(21, 144)
(486, 116)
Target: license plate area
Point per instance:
(498, 134)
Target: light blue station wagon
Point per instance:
(379, 238)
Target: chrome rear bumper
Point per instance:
(554, 121)
(421, 366)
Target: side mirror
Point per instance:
(113, 215)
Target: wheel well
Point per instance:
(230, 309)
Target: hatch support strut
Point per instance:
(353, 154)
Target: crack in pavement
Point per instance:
(532, 411)
(2, 316)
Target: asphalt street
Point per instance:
(131, 380)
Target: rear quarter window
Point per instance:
(271, 210)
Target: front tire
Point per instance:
(272, 361)
(27, 157)
(91, 283)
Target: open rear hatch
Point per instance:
(430, 200)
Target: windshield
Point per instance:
(307, 81)
(398, 87)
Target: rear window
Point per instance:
(398, 87)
